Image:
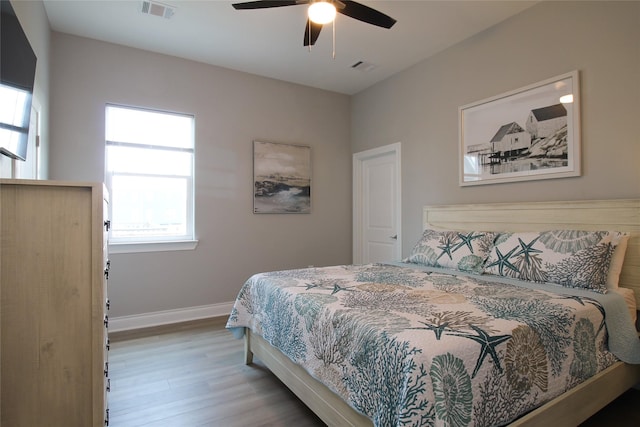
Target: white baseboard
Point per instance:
(157, 318)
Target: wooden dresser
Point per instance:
(53, 304)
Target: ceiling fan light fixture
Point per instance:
(322, 12)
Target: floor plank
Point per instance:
(192, 375)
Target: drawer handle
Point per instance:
(106, 321)
(107, 225)
(106, 369)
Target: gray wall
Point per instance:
(231, 109)
(419, 106)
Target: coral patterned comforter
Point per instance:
(406, 345)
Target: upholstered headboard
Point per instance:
(615, 215)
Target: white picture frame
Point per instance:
(526, 134)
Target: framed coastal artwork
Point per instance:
(281, 178)
(526, 134)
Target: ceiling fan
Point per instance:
(351, 9)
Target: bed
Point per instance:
(434, 391)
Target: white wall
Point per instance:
(419, 106)
(232, 109)
(35, 23)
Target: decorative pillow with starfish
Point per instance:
(459, 250)
(570, 258)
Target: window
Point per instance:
(15, 110)
(149, 163)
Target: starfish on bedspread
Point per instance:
(437, 329)
(337, 288)
(527, 249)
(488, 344)
(466, 240)
(503, 261)
(447, 248)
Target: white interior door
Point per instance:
(377, 205)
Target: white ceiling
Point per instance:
(268, 42)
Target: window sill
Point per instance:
(129, 248)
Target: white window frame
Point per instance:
(156, 243)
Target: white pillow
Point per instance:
(616, 262)
(459, 250)
(570, 258)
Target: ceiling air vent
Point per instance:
(157, 9)
(363, 66)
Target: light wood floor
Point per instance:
(192, 375)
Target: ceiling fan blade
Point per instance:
(366, 14)
(264, 4)
(315, 32)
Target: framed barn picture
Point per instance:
(526, 134)
(281, 178)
